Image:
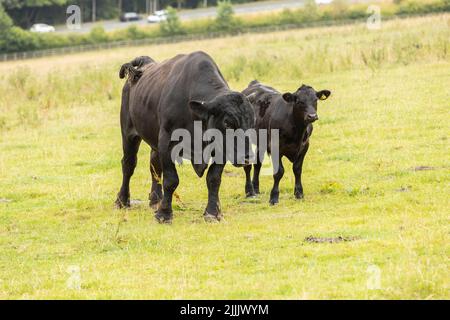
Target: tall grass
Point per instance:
(28, 98)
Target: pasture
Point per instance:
(377, 175)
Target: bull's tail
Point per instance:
(132, 69)
(129, 70)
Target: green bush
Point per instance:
(225, 20)
(172, 26)
(339, 7)
(310, 11)
(415, 7)
(287, 17)
(98, 34)
(17, 39)
(5, 20)
(5, 26)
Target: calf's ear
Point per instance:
(323, 94)
(288, 97)
(199, 109)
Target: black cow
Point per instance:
(292, 114)
(159, 98)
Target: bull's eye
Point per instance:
(228, 124)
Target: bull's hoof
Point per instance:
(250, 195)
(164, 217)
(211, 218)
(249, 191)
(299, 195)
(122, 204)
(273, 202)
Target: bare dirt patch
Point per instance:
(423, 168)
(229, 173)
(404, 189)
(312, 239)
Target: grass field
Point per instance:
(377, 173)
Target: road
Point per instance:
(246, 8)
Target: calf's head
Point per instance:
(230, 113)
(304, 102)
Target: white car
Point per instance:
(157, 16)
(42, 28)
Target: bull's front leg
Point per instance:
(213, 180)
(155, 195)
(164, 213)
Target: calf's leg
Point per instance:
(130, 146)
(297, 169)
(274, 194)
(256, 171)
(249, 191)
(155, 195)
(213, 180)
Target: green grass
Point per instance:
(60, 172)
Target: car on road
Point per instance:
(129, 16)
(42, 28)
(157, 16)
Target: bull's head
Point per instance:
(229, 114)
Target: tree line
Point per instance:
(16, 39)
(24, 13)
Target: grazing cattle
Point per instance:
(292, 114)
(159, 98)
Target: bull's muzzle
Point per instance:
(311, 117)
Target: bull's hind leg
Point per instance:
(130, 146)
(297, 169)
(213, 180)
(274, 194)
(170, 182)
(155, 195)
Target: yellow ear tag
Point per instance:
(323, 97)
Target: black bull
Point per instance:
(159, 98)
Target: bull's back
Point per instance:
(144, 99)
(160, 99)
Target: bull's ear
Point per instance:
(288, 97)
(251, 96)
(199, 109)
(323, 94)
